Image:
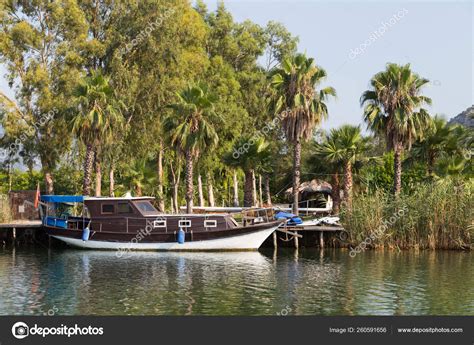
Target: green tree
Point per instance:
(98, 113)
(39, 46)
(437, 142)
(251, 155)
(344, 146)
(393, 108)
(300, 105)
(191, 128)
(137, 176)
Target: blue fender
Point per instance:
(85, 234)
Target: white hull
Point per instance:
(251, 241)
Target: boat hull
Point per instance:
(247, 240)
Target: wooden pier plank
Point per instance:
(21, 224)
(316, 228)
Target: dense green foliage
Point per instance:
(157, 97)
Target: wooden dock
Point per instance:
(296, 232)
(19, 230)
(28, 224)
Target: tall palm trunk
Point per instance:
(98, 176)
(112, 180)
(189, 182)
(254, 189)
(161, 197)
(236, 190)
(175, 197)
(200, 191)
(397, 162)
(48, 173)
(48, 177)
(335, 193)
(296, 174)
(268, 196)
(210, 192)
(431, 162)
(175, 175)
(10, 176)
(88, 166)
(248, 188)
(348, 184)
(138, 190)
(260, 191)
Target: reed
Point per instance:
(436, 215)
(5, 212)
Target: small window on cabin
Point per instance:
(124, 207)
(210, 223)
(159, 224)
(108, 208)
(184, 223)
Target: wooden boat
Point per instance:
(133, 223)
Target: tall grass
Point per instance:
(437, 215)
(5, 212)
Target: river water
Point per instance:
(37, 281)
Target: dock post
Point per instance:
(296, 240)
(321, 239)
(14, 236)
(275, 245)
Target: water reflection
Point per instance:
(307, 281)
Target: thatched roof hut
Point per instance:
(310, 188)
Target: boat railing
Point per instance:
(129, 222)
(257, 215)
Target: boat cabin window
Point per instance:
(184, 223)
(108, 208)
(145, 207)
(210, 223)
(159, 224)
(124, 207)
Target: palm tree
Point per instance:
(300, 106)
(343, 146)
(191, 128)
(250, 160)
(393, 108)
(316, 161)
(438, 140)
(99, 111)
(138, 175)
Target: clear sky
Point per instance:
(435, 37)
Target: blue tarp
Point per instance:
(292, 219)
(62, 198)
